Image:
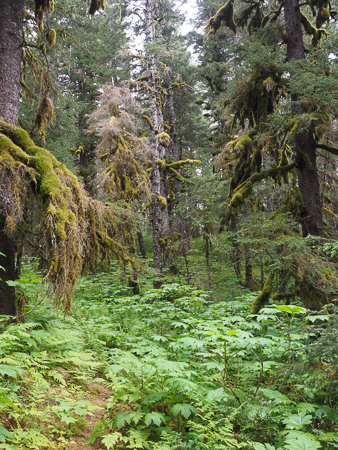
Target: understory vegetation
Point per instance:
(180, 370)
(168, 225)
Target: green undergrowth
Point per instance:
(47, 367)
(186, 372)
(189, 373)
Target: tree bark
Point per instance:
(11, 36)
(248, 270)
(142, 245)
(156, 117)
(305, 145)
(7, 261)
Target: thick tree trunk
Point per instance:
(305, 145)
(7, 273)
(11, 36)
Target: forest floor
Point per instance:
(98, 394)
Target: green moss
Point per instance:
(176, 174)
(240, 194)
(145, 78)
(263, 298)
(223, 17)
(149, 122)
(163, 202)
(51, 37)
(70, 223)
(161, 164)
(19, 136)
(200, 101)
(163, 139)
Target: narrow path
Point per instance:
(98, 395)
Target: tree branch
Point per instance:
(333, 150)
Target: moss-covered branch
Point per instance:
(71, 225)
(244, 189)
(329, 148)
(263, 298)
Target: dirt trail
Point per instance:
(98, 395)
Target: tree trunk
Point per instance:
(207, 259)
(7, 261)
(248, 270)
(305, 145)
(142, 245)
(157, 150)
(11, 37)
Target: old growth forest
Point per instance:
(168, 224)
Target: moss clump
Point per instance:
(163, 139)
(263, 298)
(51, 37)
(200, 101)
(161, 164)
(163, 202)
(44, 114)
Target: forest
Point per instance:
(168, 224)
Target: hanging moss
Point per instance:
(43, 7)
(71, 224)
(316, 33)
(51, 37)
(223, 17)
(44, 114)
(256, 160)
(176, 174)
(263, 298)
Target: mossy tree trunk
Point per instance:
(305, 145)
(157, 151)
(11, 37)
